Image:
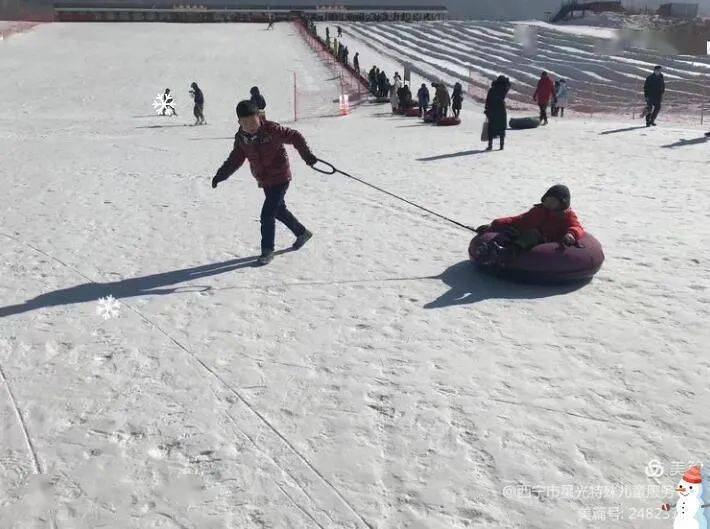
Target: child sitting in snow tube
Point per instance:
(545, 245)
(447, 122)
(429, 116)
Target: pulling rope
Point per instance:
(332, 170)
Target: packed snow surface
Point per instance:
(371, 379)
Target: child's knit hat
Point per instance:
(561, 193)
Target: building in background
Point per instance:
(679, 10)
(457, 9)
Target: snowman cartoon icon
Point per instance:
(689, 507)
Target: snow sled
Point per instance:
(549, 263)
(412, 112)
(449, 121)
(524, 123)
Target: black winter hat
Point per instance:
(246, 108)
(561, 193)
(254, 90)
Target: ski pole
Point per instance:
(331, 169)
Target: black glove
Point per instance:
(311, 160)
(215, 182)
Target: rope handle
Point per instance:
(332, 169)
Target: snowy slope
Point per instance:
(603, 78)
(372, 379)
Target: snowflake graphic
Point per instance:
(108, 307)
(164, 103)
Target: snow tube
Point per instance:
(412, 112)
(549, 263)
(447, 122)
(524, 123)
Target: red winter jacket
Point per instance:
(266, 154)
(544, 91)
(553, 225)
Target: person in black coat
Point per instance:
(372, 78)
(423, 98)
(382, 84)
(653, 90)
(258, 100)
(405, 101)
(496, 112)
(356, 61)
(456, 99)
(199, 98)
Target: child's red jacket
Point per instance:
(553, 225)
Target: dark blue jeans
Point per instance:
(275, 208)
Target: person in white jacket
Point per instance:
(562, 97)
(394, 93)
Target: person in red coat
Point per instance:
(543, 93)
(262, 143)
(550, 221)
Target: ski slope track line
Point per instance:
(25, 434)
(302, 458)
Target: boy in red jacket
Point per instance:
(550, 221)
(262, 143)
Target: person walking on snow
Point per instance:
(199, 98)
(543, 94)
(423, 98)
(653, 90)
(394, 94)
(442, 101)
(496, 112)
(258, 100)
(456, 99)
(168, 102)
(553, 102)
(356, 62)
(262, 143)
(372, 78)
(562, 97)
(340, 32)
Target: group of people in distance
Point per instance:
(198, 110)
(400, 95)
(199, 99)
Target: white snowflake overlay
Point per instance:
(108, 307)
(164, 103)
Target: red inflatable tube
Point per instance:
(549, 263)
(447, 122)
(412, 112)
